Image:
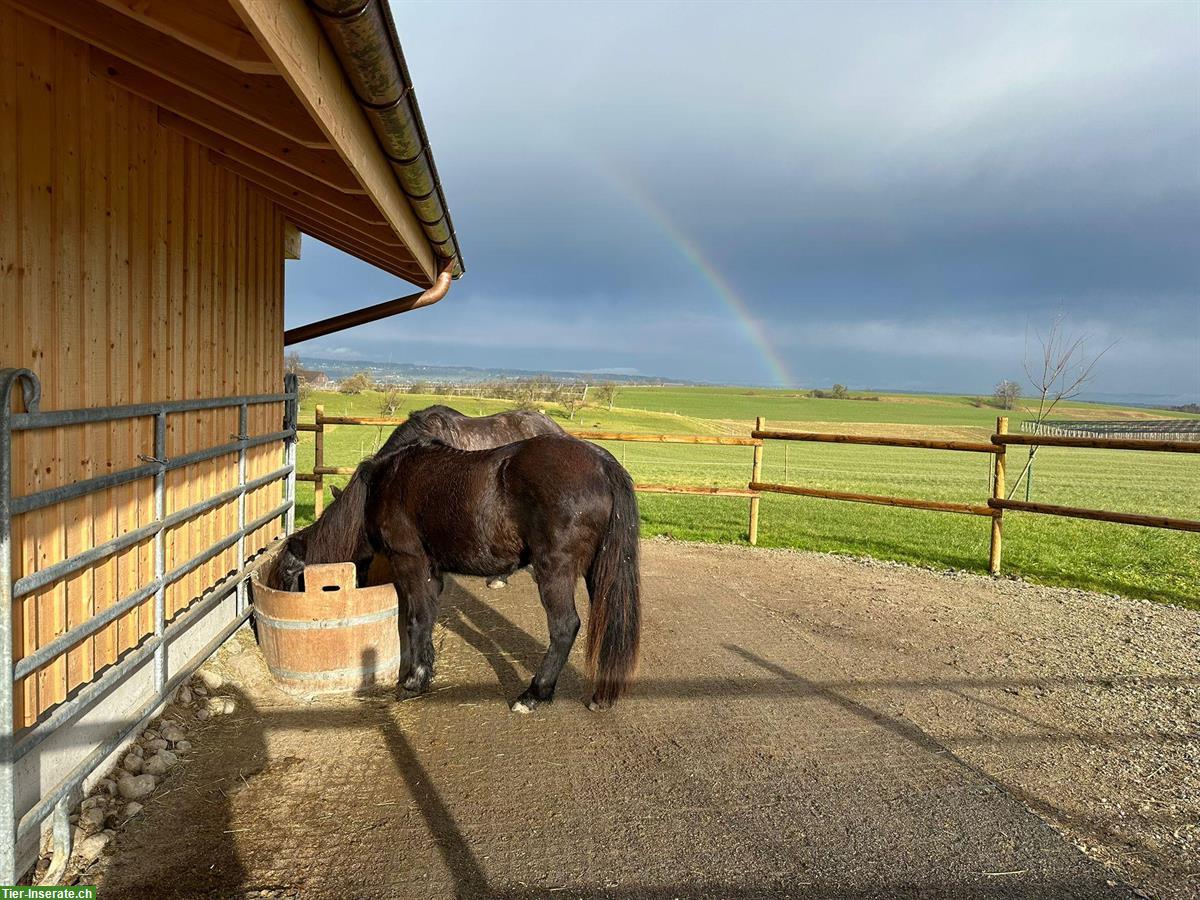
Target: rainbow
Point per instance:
(731, 299)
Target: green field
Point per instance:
(1143, 562)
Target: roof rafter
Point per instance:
(354, 206)
(265, 99)
(248, 141)
(209, 26)
(380, 233)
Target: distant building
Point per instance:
(313, 376)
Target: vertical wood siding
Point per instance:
(132, 269)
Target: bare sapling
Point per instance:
(1061, 372)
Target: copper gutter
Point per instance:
(372, 313)
(363, 37)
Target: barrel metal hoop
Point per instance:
(336, 674)
(311, 625)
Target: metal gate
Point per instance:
(20, 830)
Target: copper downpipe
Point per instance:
(372, 313)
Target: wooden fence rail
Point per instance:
(1046, 440)
(1098, 515)
(909, 502)
(993, 508)
(920, 443)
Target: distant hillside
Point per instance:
(403, 373)
(407, 373)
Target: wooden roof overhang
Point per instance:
(262, 86)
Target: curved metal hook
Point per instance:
(31, 388)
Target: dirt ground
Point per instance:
(803, 726)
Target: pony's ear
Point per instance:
(335, 490)
(297, 544)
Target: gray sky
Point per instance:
(886, 195)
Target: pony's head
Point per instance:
(288, 572)
(340, 534)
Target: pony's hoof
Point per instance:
(596, 706)
(529, 701)
(497, 584)
(418, 680)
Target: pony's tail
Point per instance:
(614, 582)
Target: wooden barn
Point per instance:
(158, 161)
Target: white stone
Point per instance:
(90, 848)
(211, 680)
(184, 697)
(132, 809)
(172, 732)
(135, 787)
(160, 762)
(202, 714)
(183, 746)
(157, 744)
(133, 764)
(221, 706)
(94, 817)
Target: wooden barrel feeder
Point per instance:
(332, 638)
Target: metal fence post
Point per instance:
(291, 416)
(32, 392)
(997, 494)
(1029, 474)
(243, 435)
(160, 550)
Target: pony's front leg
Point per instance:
(418, 587)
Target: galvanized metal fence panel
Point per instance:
(152, 648)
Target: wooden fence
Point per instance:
(320, 469)
(992, 507)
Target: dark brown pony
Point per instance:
(562, 505)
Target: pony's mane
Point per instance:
(338, 534)
(417, 426)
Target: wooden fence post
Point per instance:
(319, 464)
(998, 494)
(756, 475)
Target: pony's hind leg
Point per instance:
(558, 599)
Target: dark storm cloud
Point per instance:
(895, 191)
